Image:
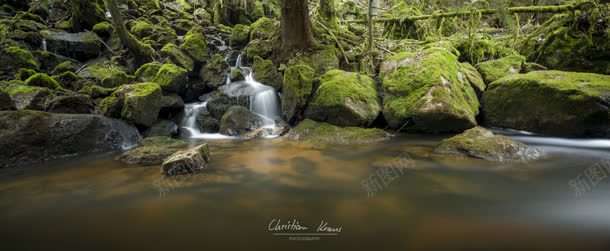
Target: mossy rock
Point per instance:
(85, 14)
(23, 74)
(423, 92)
(214, 73)
(482, 50)
(496, 69)
(147, 72)
(70, 81)
(172, 78)
(138, 103)
(6, 103)
(321, 61)
(175, 55)
(81, 46)
(42, 80)
(103, 29)
(28, 97)
(162, 141)
(550, 102)
(195, 44)
(265, 72)
(296, 90)
(240, 35)
(469, 73)
(149, 4)
(106, 76)
(344, 99)
(146, 156)
(264, 28)
(258, 47)
(239, 121)
(142, 29)
(73, 104)
(65, 67)
(14, 58)
(321, 132)
(481, 143)
(95, 91)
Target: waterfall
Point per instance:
(44, 44)
(189, 122)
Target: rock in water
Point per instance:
(550, 102)
(327, 133)
(239, 121)
(33, 136)
(481, 143)
(187, 161)
(298, 83)
(146, 156)
(137, 103)
(424, 92)
(344, 99)
(82, 46)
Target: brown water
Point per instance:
(438, 202)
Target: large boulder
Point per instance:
(239, 121)
(326, 133)
(265, 72)
(74, 104)
(137, 103)
(550, 102)
(6, 103)
(172, 78)
(469, 73)
(296, 90)
(214, 73)
(148, 72)
(187, 162)
(424, 92)
(42, 80)
(240, 35)
(173, 53)
(493, 70)
(481, 143)
(82, 46)
(33, 136)
(344, 99)
(321, 61)
(195, 44)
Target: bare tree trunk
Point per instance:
(295, 26)
(143, 52)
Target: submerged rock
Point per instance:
(296, 90)
(327, 133)
(423, 92)
(82, 46)
(344, 99)
(481, 143)
(496, 69)
(33, 136)
(163, 141)
(239, 121)
(146, 156)
(137, 103)
(187, 162)
(550, 102)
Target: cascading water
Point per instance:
(264, 102)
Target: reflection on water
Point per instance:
(442, 202)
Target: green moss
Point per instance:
(95, 91)
(240, 35)
(261, 48)
(265, 72)
(326, 133)
(15, 57)
(138, 103)
(142, 29)
(28, 97)
(195, 44)
(148, 72)
(174, 54)
(68, 80)
(150, 4)
(264, 28)
(24, 74)
(480, 50)
(321, 61)
(495, 69)
(42, 80)
(65, 66)
(344, 99)
(425, 89)
(172, 78)
(103, 29)
(549, 102)
(296, 89)
(213, 73)
(471, 75)
(107, 76)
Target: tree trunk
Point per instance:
(295, 26)
(143, 52)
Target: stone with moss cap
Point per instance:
(28, 97)
(42, 80)
(106, 75)
(326, 133)
(103, 29)
(493, 70)
(148, 72)
(240, 35)
(13, 58)
(213, 74)
(550, 102)
(422, 92)
(195, 44)
(174, 54)
(265, 72)
(138, 103)
(172, 78)
(150, 4)
(469, 74)
(296, 90)
(481, 143)
(344, 99)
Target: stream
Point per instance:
(438, 202)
